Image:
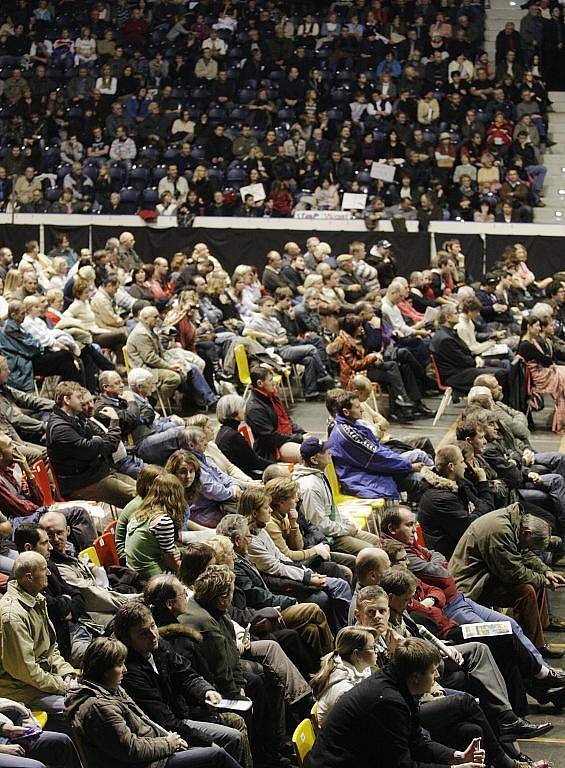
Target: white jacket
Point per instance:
(342, 679)
(317, 502)
(465, 329)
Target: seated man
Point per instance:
(166, 687)
(456, 364)
(65, 603)
(32, 670)
(432, 568)
(363, 465)
(494, 563)
(519, 661)
(23, 413)
(448, 503)
(101, 602)
(155, 437)
(318, 506)
(266, 328)
(251, 591)
(80, 458)
(277, 437)
(111, 324)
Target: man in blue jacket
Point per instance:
(364, 466)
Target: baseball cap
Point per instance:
(311, 446)
(384, 244)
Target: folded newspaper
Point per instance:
(486, 629)
(235, 705)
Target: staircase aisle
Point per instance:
(497, 15)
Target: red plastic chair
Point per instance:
(105, 547)
(420, 535)
(245, 430)
(447, 392)
(39, 471)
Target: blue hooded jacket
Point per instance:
(364, 466)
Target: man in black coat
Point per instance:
(274, 431)
(166, 687)
(457, 366)
(376, 723)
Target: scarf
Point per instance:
(284, 425)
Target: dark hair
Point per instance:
(332, 396)
(102, 654)
(28, 533)
(414, 655)
(259, 373)
(131, 614)
(392, 547)
(185, 457)
(196, 558)
(472, 304)
(396, 582)
(345, 400)
(350, 324)
(391, 519)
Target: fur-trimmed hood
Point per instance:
(437, 481)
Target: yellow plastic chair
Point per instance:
(41, 717)
(303, 739)
(244, 374)
(92, 555)
(128, 369)
(359, 509)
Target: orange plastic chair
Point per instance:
(111, 528)
(105, 547)
(39, 471)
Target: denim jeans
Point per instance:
(308, 356)
(198, 384)
(54, 705)
(156, 448)
(202, 757)
(466, 611)
(228, 738)
(54, 750)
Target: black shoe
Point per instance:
(557, 698)
(555, 625)
(327, 382)
(403, 401)
(401, 417)
(423, 409)
(548, 652)
(522, 729)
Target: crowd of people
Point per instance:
(240, 577)
(172, 108)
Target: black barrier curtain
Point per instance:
(545, 254)
(79, 237)
(249, 246)
(474, 250)
(15, 237)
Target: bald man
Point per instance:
(370, 565)
(32, 669)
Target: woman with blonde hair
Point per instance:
(152, 531)
(349, 663)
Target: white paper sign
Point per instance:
(353, 201)
(257, 190)
(327, 215)
(383, 171)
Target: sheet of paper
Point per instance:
(235, 705)
(383, 171)
(257, 190)
(353, 201)
(486, 629)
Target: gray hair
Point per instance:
(26, 562)
(478, 395)
(538, 528)
(137, 376)
(541, 310)
(189, 437)
(228, 407)
(104, 378)
(232, 526)
(147, 312)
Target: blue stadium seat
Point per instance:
(139, 177)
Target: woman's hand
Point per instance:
(12, 749)
(212, 697)
(176, 742)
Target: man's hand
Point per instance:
(456, 656)
(176, 742)
(212, 697)
(534, 477)
(12, 749)
(479, 362)
(317, 580)
(11, 731)
(417, 466)
(351, 528)
(528, 457)
(472, 755)
(235, 492)
(391, 639)
(109, 412)
(554, 580)
(177, 368)
(323, 551)
(429, 602)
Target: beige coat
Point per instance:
(104, 311)
(144, 349)
(30, 662)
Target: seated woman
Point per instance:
(353, 358)
(548, 378)
(113, 731)
(351, 662)
(142, 485)
(207, 613)
(186, 467)
(152, 531)
(333, 595)
(230, 412)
